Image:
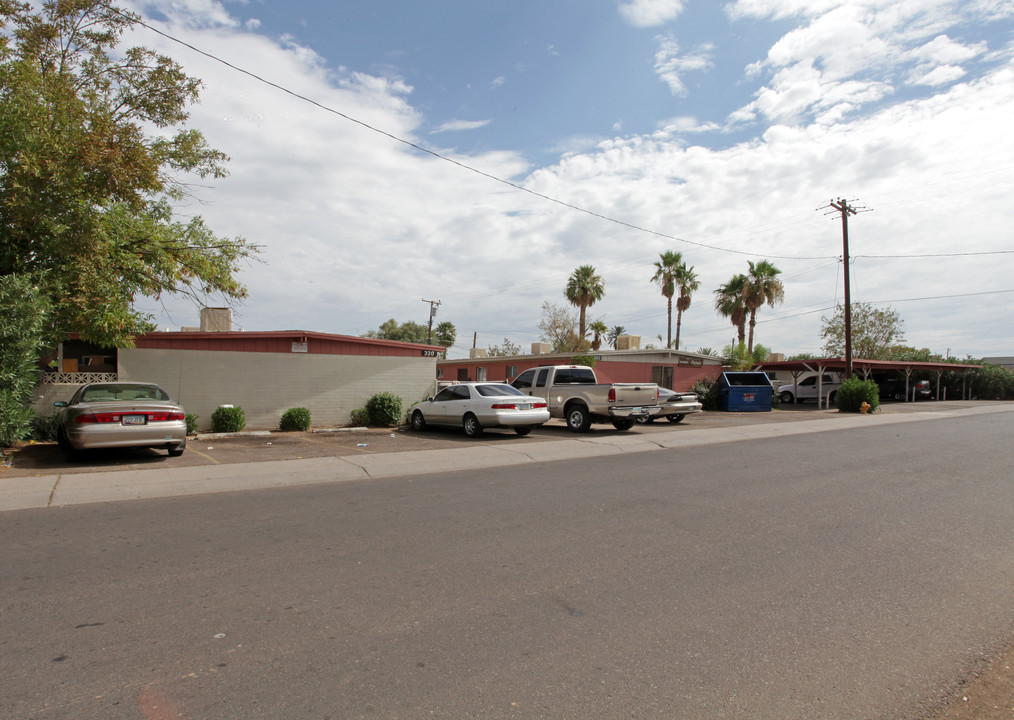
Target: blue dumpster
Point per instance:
(745, 392)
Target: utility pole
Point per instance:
(434, 304)
(842, 206)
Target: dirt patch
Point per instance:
(988, 694)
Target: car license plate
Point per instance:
(133, 419)
(525, 406)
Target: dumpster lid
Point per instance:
(745, 379)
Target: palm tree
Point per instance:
(599, 329)
(762, 288)
(584, 288)
(614, 332)
(687, 283)
(445, 333)
(729, 303)
(666, 268)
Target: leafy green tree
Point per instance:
(22, 329)
(507, 349)
(93, 146)
(584, 289)
(729, 303)
(614, 333)
(874, 332)
(762, 288)
(599, 330)
(558, 326)
(404, 332)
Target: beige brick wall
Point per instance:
(267, 384)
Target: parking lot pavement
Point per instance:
(38, 476)
(205, 450)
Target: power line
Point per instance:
(458, 163)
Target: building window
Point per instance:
(512, 371)
(480, 374)
(661, 375)
(440, 373)
(462, 374)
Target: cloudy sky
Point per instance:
(476, 153)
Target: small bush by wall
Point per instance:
(707, 393)
(191, 420)
(44, 427)
(228, 419)
(295, 419)
(384, 409)
(359, 416)
(854, 392)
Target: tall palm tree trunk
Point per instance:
(668, 336)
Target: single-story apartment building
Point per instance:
(673, 369)
(265, 373)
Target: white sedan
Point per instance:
(476, 406)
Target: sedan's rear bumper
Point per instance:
(514, 418)
(154, 434)
(681, 408)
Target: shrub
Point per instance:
(295, 419)
(44, 427)
(228, 419)
(191, 420)
(383, 409)
(359, 416)
(707, 393)
(23, 313)
(854, 392)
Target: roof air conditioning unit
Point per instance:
(477, 352)
(216, 319)
(628, 342)
(541, 348)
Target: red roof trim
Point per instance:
(298, 335)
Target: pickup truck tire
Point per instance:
(522, 431)
(471, 425)
(623, 423)
(832, 396)
(578, 418)
(785, 397)
(675, 418)
(645, 419)
(418, 421)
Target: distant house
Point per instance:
(265, 373)
(1007, 362)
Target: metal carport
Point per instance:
(865, 368)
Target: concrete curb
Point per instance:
(21, 493)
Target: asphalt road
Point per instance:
(851, 574)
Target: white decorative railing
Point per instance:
(78, 378)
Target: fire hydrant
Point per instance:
(865, 408)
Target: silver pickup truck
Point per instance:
(573, 392)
